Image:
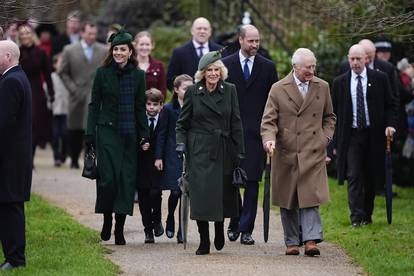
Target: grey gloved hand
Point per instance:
(180, 149)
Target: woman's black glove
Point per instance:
(89, 140)
(240, 158)
(180, 149)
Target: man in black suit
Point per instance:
(184, 59)
(71, 34)
(16, 154)
(253, 76)
(366, 113)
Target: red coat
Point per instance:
(155, 76)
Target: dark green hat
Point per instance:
(208, 59)
(121, 37)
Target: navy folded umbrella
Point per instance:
(388, 180)
(184, 203)
(266, 199)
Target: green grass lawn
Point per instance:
(380, 248)
(58, 245)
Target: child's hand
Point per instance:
(145, 146)
(158, 164)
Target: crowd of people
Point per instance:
(228, 110)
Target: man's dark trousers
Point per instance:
(12, 232)
(361, 190)
(248, 209)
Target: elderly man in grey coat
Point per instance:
(79, 63)
(297, 125)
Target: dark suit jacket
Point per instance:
(15, 136)
(148, 175)
(382, 110)
(252, 95)
(184, 60)
(165, 147)
(383, 66)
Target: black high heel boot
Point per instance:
(204, 247)
(106, 227)
(119, 229)
(219, 235)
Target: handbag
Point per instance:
(239, 178)
(89, 164)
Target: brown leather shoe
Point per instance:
(311, 249)
(292, 250)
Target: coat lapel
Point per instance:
(313, 91)
(257, 65)
(292, 90)
(206, 99)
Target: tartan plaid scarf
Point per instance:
(126, 99)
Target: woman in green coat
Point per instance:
(209, 131)
(117, 124)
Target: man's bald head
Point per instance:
(9, 55)
(356, 58)
(370, 50)
(201, 30)
(247, 28)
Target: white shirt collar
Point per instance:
(297, 81)
(5, 71)
(363, 74)
(85, 45)
(242, 58)
(196, 44)
(156, 117)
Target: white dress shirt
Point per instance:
(353, 86)
(205, 49)
(303, 87)
(243, 60)
(87, 49)
(155, 121)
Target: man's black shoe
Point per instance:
(246, 238)
(158, 229)
(233, 235)
(356, 224)
(7, 266)
(149, 237)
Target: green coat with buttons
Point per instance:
(210, 127)
(116, 154)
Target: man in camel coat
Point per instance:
(298, 123)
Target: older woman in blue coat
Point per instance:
(166, 156)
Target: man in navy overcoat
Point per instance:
(253, 76)
(184, 59)
(16, 154)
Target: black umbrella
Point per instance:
(388, 179)
(266, 199)
(184, 203)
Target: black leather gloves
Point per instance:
(180, 149)
(89, 140)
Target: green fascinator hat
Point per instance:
(208, 59)
(121, 37)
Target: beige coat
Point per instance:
(301, 128)
(77, 74)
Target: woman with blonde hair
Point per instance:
(209, 132)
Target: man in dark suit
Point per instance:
(184, 59)
(16, 154)
(253, 76)
(366, 113)
(71, 34)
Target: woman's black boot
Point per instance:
(219, 235)
(119, 229)
(106, 227)
(204, 247)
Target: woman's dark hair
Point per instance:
(132, 59)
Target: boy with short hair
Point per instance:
(148, 180)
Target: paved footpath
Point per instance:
(65, 188)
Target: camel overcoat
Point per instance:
(301, 128)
